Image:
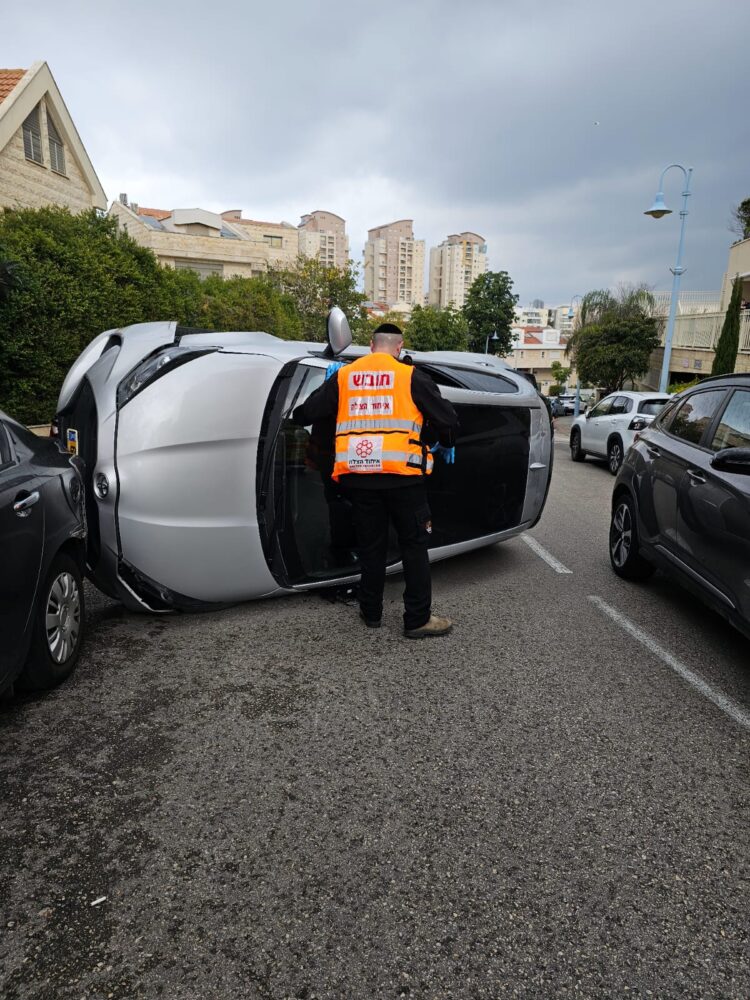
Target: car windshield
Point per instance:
(467, 378)
(650, 407)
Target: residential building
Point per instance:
(42, 159)
(454, 266)
(534, 350)
(323, 235)
(560, 319)
(533, 315)
(207, 243)
(394, 266)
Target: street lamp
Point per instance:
(493, 338)
(577, 405)
(657, 211)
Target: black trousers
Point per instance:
(407, 508)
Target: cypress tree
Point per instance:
(725, 358)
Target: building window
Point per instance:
(203, 269)
(273, 241)
(56, 148)
(32, 137)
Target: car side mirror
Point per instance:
(587, 413)
(735, 460)
(338, 332)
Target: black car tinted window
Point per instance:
(603, 408)
(695, 414)
(652, 406)
(465, 378)
(734, 427)
(621, 404)
(6, 456)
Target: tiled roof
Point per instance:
(9, 78)
(155, 213)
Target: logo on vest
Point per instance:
(371, 380)
(370, 406)
(365, 454)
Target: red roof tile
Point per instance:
(9, 78)
(155, 213)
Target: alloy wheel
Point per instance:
(615, 457)
(621, 535)
(63, 617)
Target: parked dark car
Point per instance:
(42, 554)
(682, 497)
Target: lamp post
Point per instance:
(493, 338)
(657, 211)
(577, 405)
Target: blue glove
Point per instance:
(448, 455)
(332, 369)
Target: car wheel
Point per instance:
(615, 454)
(576, 452)
(624, 548)
(58, 625)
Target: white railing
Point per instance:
(688, 303)
(701, 331)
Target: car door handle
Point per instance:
(652, 450)
(23, 506)
(696, 477)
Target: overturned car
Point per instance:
(200, 490)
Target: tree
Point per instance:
(725, 358)
(560, 376)
(615, 336)
(740, 220)
(248, 304)
(431, 329)
(314, 288)
(489, 309)
(9, 276)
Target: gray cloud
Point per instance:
(475, 116)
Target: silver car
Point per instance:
(201, 492)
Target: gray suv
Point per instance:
(681, 500)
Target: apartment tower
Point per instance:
(454, 266)
(323, 235)
(394, 266)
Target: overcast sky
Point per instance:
(541, 125)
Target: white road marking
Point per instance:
(540, 550)
(731, 708)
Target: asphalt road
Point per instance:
(273, 802)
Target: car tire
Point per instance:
(57, 629)
(624, 547)
(577, 453)
(615, 454)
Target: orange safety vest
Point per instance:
(378, 426)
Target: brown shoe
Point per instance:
(434, 627)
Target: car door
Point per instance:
(714, 509)
(595, 427)
(672, 447)
(21, 544)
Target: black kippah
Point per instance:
(388, 328)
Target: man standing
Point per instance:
(380, 406)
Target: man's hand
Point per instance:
(332, 369)
(448, 455)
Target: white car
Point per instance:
(201, 491)
(609, 428)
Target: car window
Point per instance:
(603, 408)
(652, 406)
(621, 404)
(734, 427)
(695, 413)
(466, 378)
(6, 456)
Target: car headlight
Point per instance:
(153, 368)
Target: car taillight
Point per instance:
(637, 424)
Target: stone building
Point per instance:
(454, 266)
(323, 235)
(206, 242)
(42, 159)
(394, 266)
